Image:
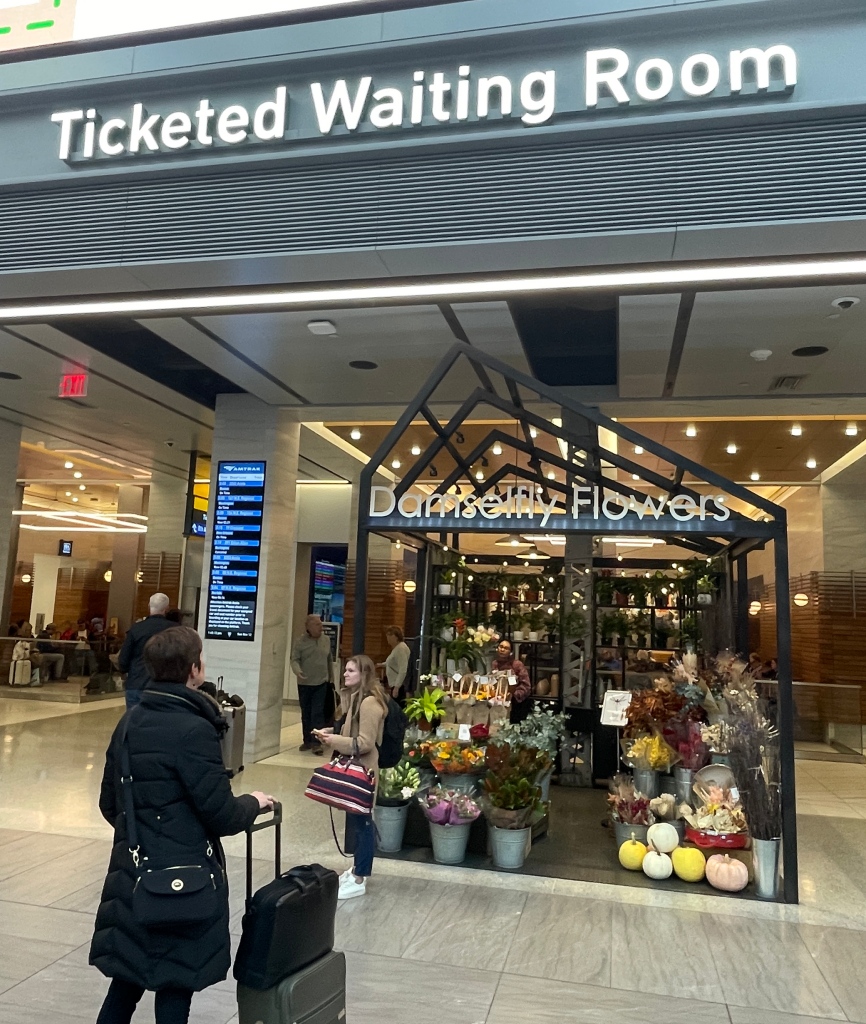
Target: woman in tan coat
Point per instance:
(365, 707)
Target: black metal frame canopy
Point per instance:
(579, 505)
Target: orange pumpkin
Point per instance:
(727, 874)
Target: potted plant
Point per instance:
(629, 811)
(621, 590)
(663, 632)
(607, 627)
(638, 591)
(604, 591)
(620, 625)
(640, 628)
(518, 621)
(534, 622)
(450, 815)
(511, 797)
(690, 630)
(552, 626)
(397, 786)
(657, 583)
(574, 624)
(542, 730)
(425, 708)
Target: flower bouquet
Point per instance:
(650, 753)
(452, 758)
(483, 641)
(718, 820)
(398, 785)
(629, 810)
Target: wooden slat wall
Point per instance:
(386, 606)
(81, 594)
(828, 640)
(159, 574)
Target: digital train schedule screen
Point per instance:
(233, 585)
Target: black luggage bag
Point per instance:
(289, 923)
(314, 995)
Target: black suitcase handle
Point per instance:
(276, 822)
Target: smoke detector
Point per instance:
(761, 355)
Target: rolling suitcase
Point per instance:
(314, 995)
(285, 967)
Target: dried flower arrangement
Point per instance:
(719, 812)
(626, 805)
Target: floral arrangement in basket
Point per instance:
(446, 807)
(418, 754)
(399, 784)
(451, 758)
(719, 812)
(626, 805)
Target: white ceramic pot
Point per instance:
(517, 634)
(533, 634)
(445, 589)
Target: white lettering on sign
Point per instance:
(351, 105)
(523, 502)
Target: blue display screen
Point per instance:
(233, 585)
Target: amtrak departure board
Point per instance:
(233, 586)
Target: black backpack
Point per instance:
(393, 733)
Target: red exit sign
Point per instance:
(73, 385)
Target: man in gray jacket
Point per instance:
(313, 665)
(131, 657)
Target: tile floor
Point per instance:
(480, 947)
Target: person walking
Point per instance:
(365, 706)
(183, 804)
(396, 665)
(51, 657)
(313, 664)
(131, 656)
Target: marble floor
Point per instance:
(483, 947)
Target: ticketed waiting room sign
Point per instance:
(25, 24)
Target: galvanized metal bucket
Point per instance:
(765, 860)
(625, 832)
(684, 779)
(646, 781)
(509, 847)
(391, 824)
(449, 843)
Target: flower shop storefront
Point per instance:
(581, 713)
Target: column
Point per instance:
(10, 501)
(842, 519)
(166, 508)
(248, 429)
(125, 559)
(45, 569)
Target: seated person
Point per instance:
(84, 656)
(608, 660)
(51, 660)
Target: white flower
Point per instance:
(407, 792)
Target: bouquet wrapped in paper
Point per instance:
(452, 758)
(626, 805)
(446, 807)
(650, 752)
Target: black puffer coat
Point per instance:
(183, 801)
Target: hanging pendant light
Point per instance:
(534, 555)
(512, 540)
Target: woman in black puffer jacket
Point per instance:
(183, 804)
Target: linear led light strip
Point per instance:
(92, 522)
(594, 280)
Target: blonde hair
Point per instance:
(370, 685)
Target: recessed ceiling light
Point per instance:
(807, 351)
(77, 474)
(497, 449)
(755, 476)
(363, 364)
(355, 434)
(416, 449)
(68, 464)
(796, 430)
(691, 431)
(69, 494)
(638, 450)
(811, 464)
(75, 499)
(321, 327)
(845, 302)
(731, 449)
(851, 430)
(81, 487)
(395, 464)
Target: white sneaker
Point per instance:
(350, 888)
(347, 874)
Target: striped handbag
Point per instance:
(343, 783)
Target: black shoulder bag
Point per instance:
(165, 897)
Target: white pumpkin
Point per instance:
(663, 836)
(657, 865)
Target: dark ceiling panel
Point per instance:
(567, 345)
(142, 350)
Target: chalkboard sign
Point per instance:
(233, 585)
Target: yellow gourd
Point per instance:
(631, 854)
(689, 863)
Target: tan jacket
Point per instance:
(366, 726)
